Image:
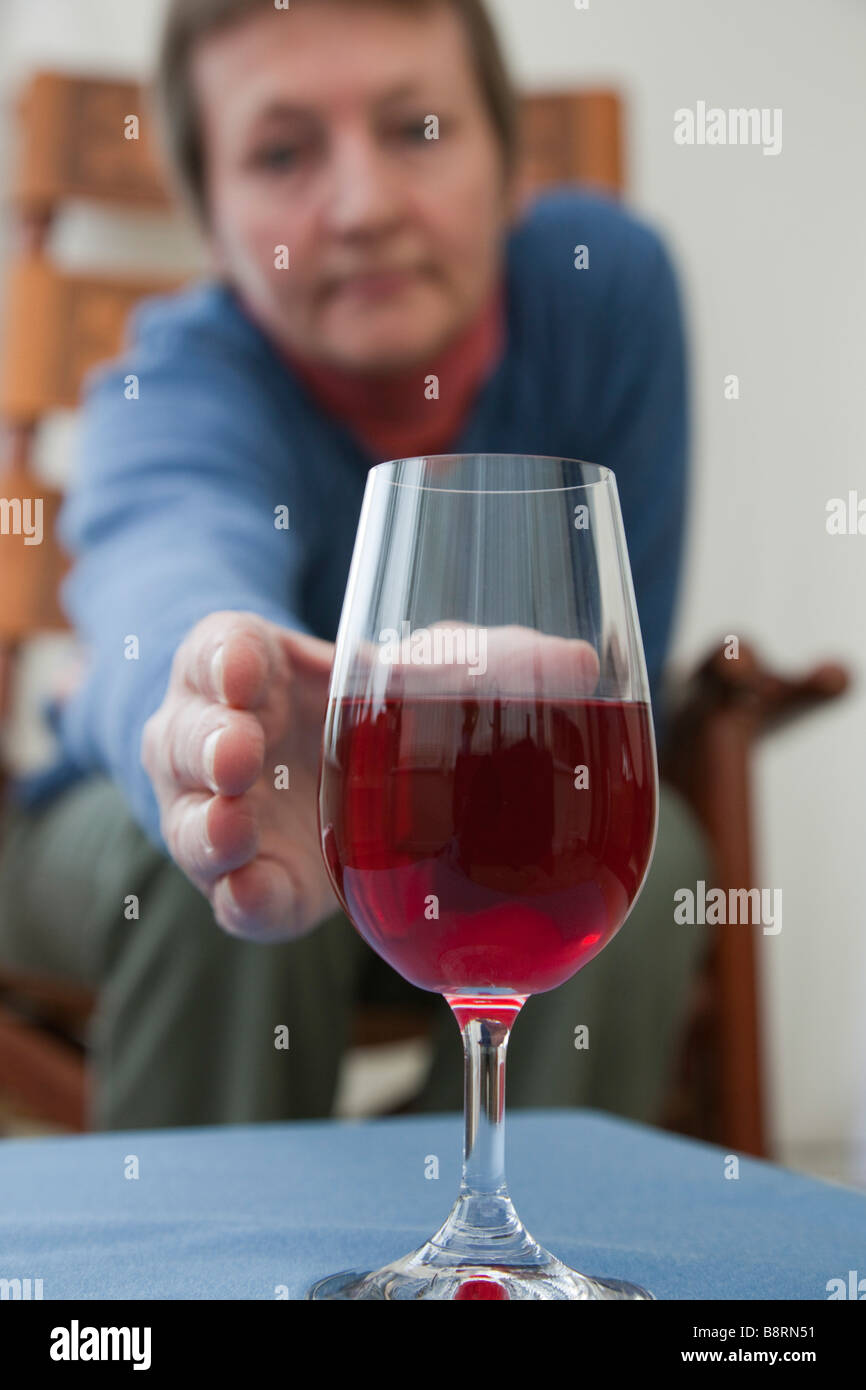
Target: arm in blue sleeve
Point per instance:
(645, 440)
(171, 518)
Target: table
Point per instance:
(241, 1211)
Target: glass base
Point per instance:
(428, 1272)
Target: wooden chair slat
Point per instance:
(56, 327)
(72, 144)
(573, 136)
(42, 1073)
(31, 569)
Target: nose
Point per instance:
(366, 193)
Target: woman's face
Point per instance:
(314, 132)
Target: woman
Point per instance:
(378, 291)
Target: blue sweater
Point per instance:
(170, 513)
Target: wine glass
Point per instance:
(488, 791)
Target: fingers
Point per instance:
(216, 843)
(466, 658)
(210, 836)
(258, 902)
(308, 671)
(230, 659)
(209, 746)
(308, 655)
(523, 661)
(238, 682)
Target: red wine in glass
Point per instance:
(489, 845)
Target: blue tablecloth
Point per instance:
(237, 1212)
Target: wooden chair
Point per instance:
(72, 145)
(720, 712)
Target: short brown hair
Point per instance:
(187, 21)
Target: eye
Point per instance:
(277, 158)
(413, 132)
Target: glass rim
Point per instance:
(604, 478)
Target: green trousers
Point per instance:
(187, 1017)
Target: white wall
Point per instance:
(770, 251)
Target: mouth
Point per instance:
(374, 284)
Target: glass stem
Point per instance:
(483, 1223)
(485, 1042)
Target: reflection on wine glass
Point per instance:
(488, 793)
